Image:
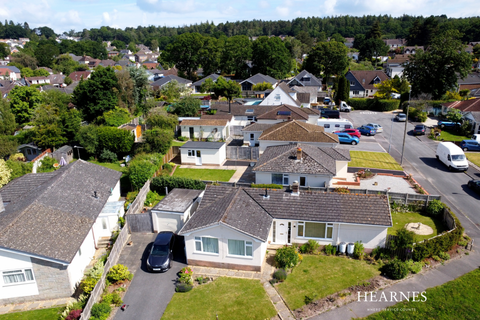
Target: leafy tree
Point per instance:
(343, 90)
(464, 93)
(5, 173)
(187, 107)
(389, 86)
(119, 140)
(139, 171)
(68, 81)
(210, 55)
(24, 60)
(228, 89)
(296, 47)
(7, 118)
(8, 146)
(126, 90)
(158, 140)
(305, 38)
(173, 90)
(329, 58)
(237, 51)
(436, 70)
(159, 118)
(476, 50)
(4, 50)
(57, 99)
(185, 53)
(140, 84)
(270, 57)
(337, 37)
(421, 34)
(48, 133)
(87, 136)
(70, 123)
(19, 168)
(373, 47)
(65, 64)
(375, 32)
(23, 101)
(98, 94)
(454, 115)
(46, 54)
(207, 85)
(118, 44)
(116, 117)
(262, 86)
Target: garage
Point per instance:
(203, 153)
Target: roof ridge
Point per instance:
(248, 194)
(227, 210)
(279, 127)
(288, 150)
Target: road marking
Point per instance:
(368, 112)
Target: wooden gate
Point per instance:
(140, 222)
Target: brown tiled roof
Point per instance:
(257, 127)
(77, 75)
(296, 113)
(203, 122)
(216, 116)
(368, 76)
(311, 111)
(303, 97)
(465, 106)
(298, 131)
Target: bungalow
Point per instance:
(233, 227)
(248, 84)
(38, 80)
(166, 79)
(203, 153)
(306, 79)
(78, 75)
(210, 129)
(198, 84)
(287, 112)
(362, 83)
(243, 115)
(470, 110)
(50, 225)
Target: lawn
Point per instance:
(457, 299)
(41, 314)
(177, 143)
(402, 218)
(227, 298)
(474, 157)
(373, 160)
(113, 166)
(319, 276)
(449, 136)
(205, 174)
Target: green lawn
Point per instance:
(457, 299)
(205, 174)
(41, 314)
(177, 143)
(229, 298)
(320, 276)
(402, 218)
(113, 166)
(375, 160)
(474, 157)
(449, 136)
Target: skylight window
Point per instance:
(249, 111)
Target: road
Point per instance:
(420, 161)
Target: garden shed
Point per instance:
(203, 153)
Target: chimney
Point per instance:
(299, 153)
(295, 188)
(266, 196)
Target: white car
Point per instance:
(395, 95)
(376, 126)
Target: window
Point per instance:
(285, 179)
(352, 83)
(315, 230)
(274, 231)
(327, 125)
(337, 126)
(240, 248)
(104, 223)
(250, 118)
(249, 111)
(18, 276)
(29, 151)
(191, 153)
(204, 244)
(305, 79)
(277, 97)
(303, 181)
(355, 92)
(252, 136)
(347, 126)
(278, 178)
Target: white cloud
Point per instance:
(329, 7)
(167, 6)
(106, 17)
(264, 4)
(283, 11)
(227, 10)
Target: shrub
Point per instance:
(414, 267)
(113, 298)
(101, 311)
(280, 275)
(341, 190)
(159, 183)
(108, 156)
(309, 299)
(404, 239)
(116, 117)
(436, 258)
(396, 269)
(444, 256)
(168, 167)
(185, 275)
(268, 186)
(287, 257)
(374, 104)
(380, 253)
(330, 250)
(139, 171)
(435, 207)
(158, 140)
(131, 196)
(74, 315)
(310, 247)
(96, 271)
(182, 138)
(112, 138)
(462, 243)
(19, 168)
(152, 199)
(47, 165)
(119, 272)
(183, 287)
(88, 284)
(358, 250)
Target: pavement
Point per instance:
(149, 293)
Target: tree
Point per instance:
(23, 101)
(98, 94)
(436, 70)
(337, 37)
(70, 122)
(271, 57)
(139, 77)
(23, 59)
(5, 173)
(46, 54)
(87, 136)
(375, 31)
(329, 58)
(158, 140)
(305, 38)
(185, 53)
(373, 47)
(116, 117)
(68, 81)
(421, 34)
(118, 44)
(119, 140)
(389, 86)
(207, 85)
(173, 90)
(48, 133)
(159, 118)
(343, 90)
(454, 115)
(65, 64)
(8, 146)
(126, 90)
(4, 50)
(236, 52)
(187, 107)
(262, 86)
(27, 72)
(228, 89)
(210, 55)
(7, 118)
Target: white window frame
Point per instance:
(302, 224)
(356, 92)
(191, 153)
(352, 83)
(18, 271)
(277, 97)
(250, 118)
(285, 177)
(246, 244)
(196, 239)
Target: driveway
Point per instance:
(149, 293)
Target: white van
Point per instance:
(452, 155)
(332, 125)
(476, 137)
(345, 107)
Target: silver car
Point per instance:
(402, 117)
(377, 127)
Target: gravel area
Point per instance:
(383, 182)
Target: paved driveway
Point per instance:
(149, 293)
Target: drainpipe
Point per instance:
(94, 242)
(338, 233)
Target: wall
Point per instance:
(342, 168)
(115, 195)
(222, 259)
(246, 137)
(312, 180)
(9, 262)
(209, 156)
(167, 221)
(220, 134)
(81, 260)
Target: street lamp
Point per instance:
(406, 122)
(78, 151)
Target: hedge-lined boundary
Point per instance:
(374, 104)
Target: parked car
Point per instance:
(475, 137)
(402, 117)
(474, 184)
(470, 145)
(419, 129)
(378, 128)
(345, 107)
(452, 156)
(327, 100)
(352, 132)
(394, 95)
(366, 130)
(346, 138)
(161, 255)
(330, 114)
(447, 124)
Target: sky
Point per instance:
(65, 15)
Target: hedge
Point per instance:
(269, 186)
(159, 183)
(374, 104)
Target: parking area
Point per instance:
(149, 293)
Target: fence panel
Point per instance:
(236, 131)
(140, 222)
(243, 153)
(139, 200)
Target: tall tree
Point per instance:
(7, 118)
(45, 54)
(228, 89)
(139, 77)
(23, 101)
(184, 52)
(436, 70)
(270, 57)
(236, 52)
(327, 58)
(343, 90)
(375, 31)
(210, 55)
(373, 47)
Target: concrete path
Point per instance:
(217, 272)
(420, 282)
(26, 306)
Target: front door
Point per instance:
(284, 232)
(191, 133)
(198, 158)
(252, 140)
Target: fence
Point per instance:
(140, 222)
(111, 261)
(243, 153)
(139, 200)
(172, 153)
(236, 131)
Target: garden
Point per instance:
(373, 160)
(41, 314)
(473, 157)
(205, 174)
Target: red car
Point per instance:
(352, 132)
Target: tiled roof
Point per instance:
(241, 110)
(466, 105)
(160, 82)
(22, 185)
(213, 76)
(365, 78)
(202, 145)
(52, 219)
(216, 116)
(260, 78)
(314, 160)
(472, 78)
(314, 81)
(205, 122)
(178, 200)
(257, 127)
(77, 75)
(279, 113)
(299, 132)
(303, 97)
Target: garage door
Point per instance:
(167, 222)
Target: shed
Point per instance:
(203, 153)
(65, 152)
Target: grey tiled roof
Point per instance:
(314, 160)
(296, 113)
(298, 131)
(260, 78)
(314, 81)
(241, 110)
(162, 81)
(202, 145)
(257, 127)
(213, 76)
(178, 200)
(22, 185)
(53, 219)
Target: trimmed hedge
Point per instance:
(374, 104)
(159, 183)
(280, 275)
(268, 186)
(183, 287)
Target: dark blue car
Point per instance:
(470, 145)
(446, 124)
(161, 254)
(346, 138)
(367, 130)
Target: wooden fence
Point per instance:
(141, 222)
(139, 200)
(243, 153)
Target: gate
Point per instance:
(140, 222)
(243, 153)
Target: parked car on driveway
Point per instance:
(346, 138)
(161, 255)
(366, 130)
(352, 132)
(470, 145)
(378, 128)
(401, 117)
(447, 124)
(474, 185)
(419, 129)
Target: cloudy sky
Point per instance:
(64, 15)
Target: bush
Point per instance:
(374, 104)
(152, 199)
(280, 275)
(74, 315)
(159, 183)
(158, 140)
(309, 247)
(462, 243)
(47, 165)
(119, 272)
(396, 269)
(88, 284)
(404, 240)
(108, 156)
(308, 299)
(113, 298)
(96, 271)
(139, 171)
(444, 256)
(268, 186)
(414, 267)
(116, 117)
(287, 257)
(183, 287)
(330, 250)
(435, 207)
(19, 168)
(100, 311)
(182, 138)
(168, 167)
(358, 250)
(185, 275)
(380, 253)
